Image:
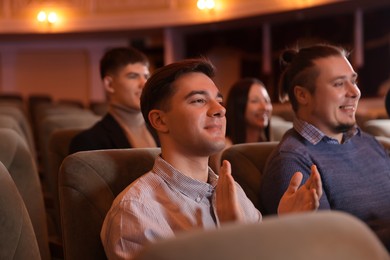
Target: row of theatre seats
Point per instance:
(25, 131)
(67, 197)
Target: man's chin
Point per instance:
(342, 128)
(218, 146)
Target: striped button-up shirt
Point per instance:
(159, 205)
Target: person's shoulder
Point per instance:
(144, 188)
(375, 142)
(91, 131)
(366, 139)
(291, 142)
(79, 141)
(86, 140)
(291, 149)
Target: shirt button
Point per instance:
(198, 199)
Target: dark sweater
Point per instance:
(355, 177)
(105, 134)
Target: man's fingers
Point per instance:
(225, 180)
(315, 180)
(226, 167)
(295, 182)
(228, 208)
(315, 200)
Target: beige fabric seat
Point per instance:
(89, 181)
(16, 157)
(23, 123)
(283, 110)
(248, 161)
(52, 123)
(279, 127)
(378, 127)
(45, 110)
(58, 149)
(10, 122)
(48, 126)
(17, 237)
(99, 108)
(323, 235)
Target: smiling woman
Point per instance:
(248, 116)
(249, 110)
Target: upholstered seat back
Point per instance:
(52, 123)
(17, 237)
(23, 124)
(58, 116)
(378, 127)
(323, 235)
(88, 183)
(16, 157)
(248, 161)
(279, 127)
(58, 149)
(9, 122)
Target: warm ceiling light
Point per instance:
(206, 4)
(41, 17)
(51, 18)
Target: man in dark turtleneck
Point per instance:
(124, 71)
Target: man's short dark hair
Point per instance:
(117, 58)
(159, 87)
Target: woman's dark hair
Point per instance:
(159, 87)
(117, 58)
(236, 103)
(299, 69)
(387, 103)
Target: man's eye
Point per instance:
(199, 100)
(132, 76)
(338, 83)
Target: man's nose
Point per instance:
(218, 110)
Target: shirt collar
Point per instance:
(314, 135)
(186, 185)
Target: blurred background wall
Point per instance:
(242, 38)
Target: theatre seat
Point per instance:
(323, 235)
(16, 157)
(88, 183)
(58, 149)
(279, 127)
(377, 127)
(248, 161)
(23, 124)
(17, 237)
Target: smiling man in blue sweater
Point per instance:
(355, 169)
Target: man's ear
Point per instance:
(107, 82)
(301, 94)
(157, 120)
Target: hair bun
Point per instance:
(287, 57)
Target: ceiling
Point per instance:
(74, 16)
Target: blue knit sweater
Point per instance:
(355, 177)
